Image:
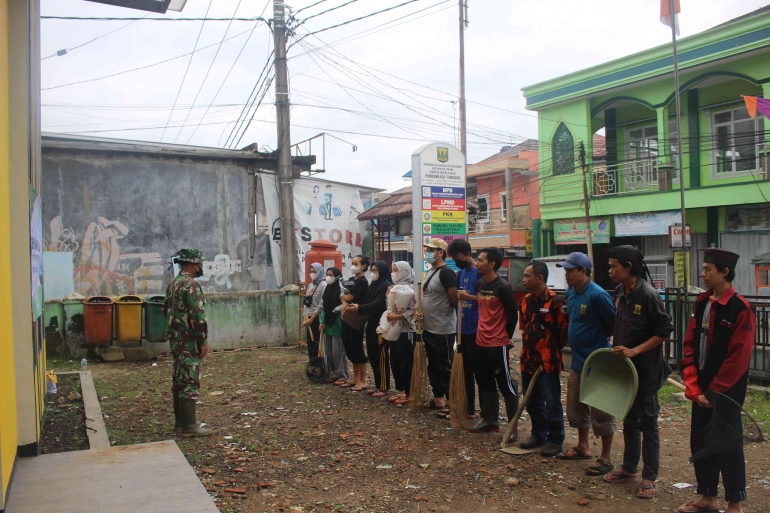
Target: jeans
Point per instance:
(642, 419)
(544, 407)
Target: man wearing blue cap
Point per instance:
(591, 315)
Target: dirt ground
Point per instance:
(64, 428)
(295, 446)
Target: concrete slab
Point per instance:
(151, 478)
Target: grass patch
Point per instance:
(666, 395)
(62, 364)
(757, 404)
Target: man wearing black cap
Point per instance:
(717, 350)
(591, 315)
(641, 326)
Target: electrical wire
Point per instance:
(360, 17)
(65, 51)
(309, 6)
(209, 70)
(141, 67)
(267, 87)
(247, 107)
(77, 18)
(187, 69)
(324, 12)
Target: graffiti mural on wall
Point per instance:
(101, 268)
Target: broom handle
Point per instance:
(459, 323)
(676, 384)
(419, 306)
(520, 409)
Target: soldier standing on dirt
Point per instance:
(187, 332)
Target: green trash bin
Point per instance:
(154, 319)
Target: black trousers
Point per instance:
(353, 341)
(312, 342)
(440, 352)
(642, 419)
(402, 360)
(378, 357)
(492, 373)
(469, 349)
(731, 464)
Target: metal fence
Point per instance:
(680, 309)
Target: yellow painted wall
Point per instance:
(8, 418)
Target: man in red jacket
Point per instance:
(717, 350)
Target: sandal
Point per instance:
(401, 402)
(618, 477)
(601, 468)
(340, 382)
(443, 414)
(646, 487)
(358, 389)
(348, 385)
(692, 508)
(579, 455)
(372, 391)
(433, 406)
(379, 393)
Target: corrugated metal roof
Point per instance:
(398, 204)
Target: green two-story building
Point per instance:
(633, 182)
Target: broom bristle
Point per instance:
(458, 397)
(418, 389)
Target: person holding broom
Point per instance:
(717, 351)
(544, 323)
(439, 319)
(497, 322)
(641, 326)
(377, 349)
(461, 252)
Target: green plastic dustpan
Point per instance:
(609, 383)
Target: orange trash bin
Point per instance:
(97, 320)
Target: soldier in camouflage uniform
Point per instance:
(187, 333)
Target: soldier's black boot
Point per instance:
(190, 428)
(177, 414)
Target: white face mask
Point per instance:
(329, 280)
(355, 269)
(313, 276)
(375, 277)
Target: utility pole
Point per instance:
(289, 272)
(686, 261)
(463, 24)
(585, 205)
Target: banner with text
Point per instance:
(322, 210)
(438, 197)
(646, 223)
(573, 231)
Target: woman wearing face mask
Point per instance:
(331, 325)
(402, 350)
(313, 307)
(353, 338)
(374, 305)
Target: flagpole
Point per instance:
(685, 277)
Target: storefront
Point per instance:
(747, 232)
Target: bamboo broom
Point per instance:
(418, 388)
(458, 397)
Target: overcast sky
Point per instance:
(353, 90)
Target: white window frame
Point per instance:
(483, 220)
(673, 157)
(714, 174)
(503, 206)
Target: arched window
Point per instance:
(563, 151)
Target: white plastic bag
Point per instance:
(390, 330)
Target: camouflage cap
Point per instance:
(190, 255)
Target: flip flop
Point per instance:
(358, 389)
(696, 509)
(372, 391)
(379, 393)
(347, 385)
(619, 477)
(443, 414)
(401, 402)
(579, 455)
(433, 406)
(644, 487)
(599, 470)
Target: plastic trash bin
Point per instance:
(97, 320)
(128, 319)
(155, 323)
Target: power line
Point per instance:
(209, 70)
(142, 67)
(186, 70)
(247, 106)
(65, 51)
(362, 17)
(374, 30)
(267, 87)
(309, 6)
(222, 85)
(324, 12)
(77, 18)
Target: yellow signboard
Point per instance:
(528, 241)
(681, 258)
(442, 216)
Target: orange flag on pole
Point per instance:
(669, 18)
(755, 103)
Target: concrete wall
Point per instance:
(235, 319)
(119, 217)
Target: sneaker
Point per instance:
(532, 442)
(551, 451)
